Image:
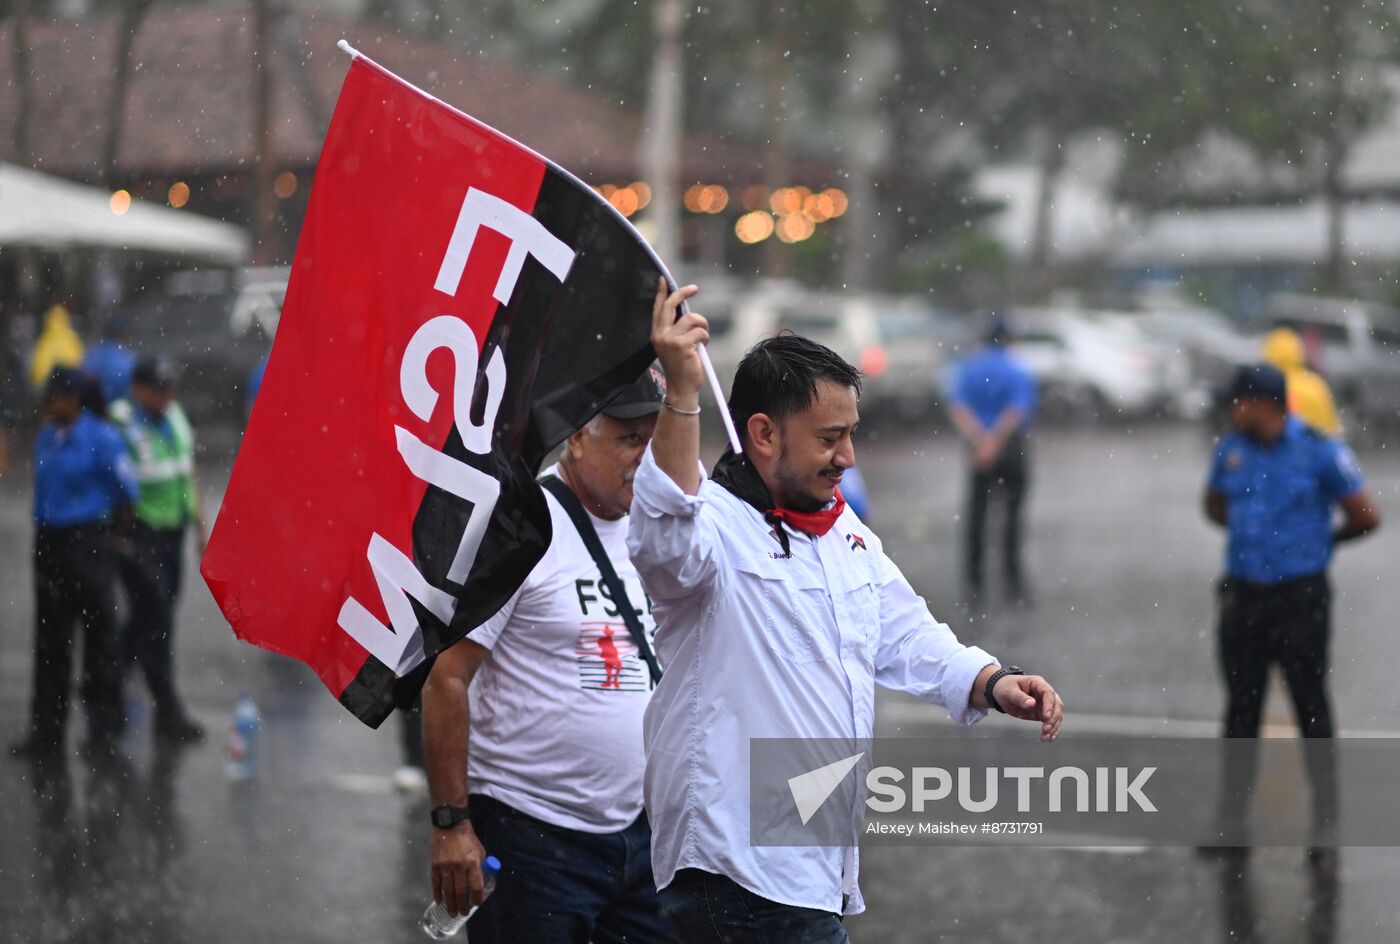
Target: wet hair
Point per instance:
(778, 377)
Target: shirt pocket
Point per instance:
(862, 612)
(796, 608)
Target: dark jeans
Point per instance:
(1288, 624)
(74, 570)
(563, 885)
(1007, 478)
(705, 908)
(151, 573)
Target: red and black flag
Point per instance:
(458, 306)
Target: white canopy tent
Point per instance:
(45, 212)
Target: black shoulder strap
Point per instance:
(616, 588)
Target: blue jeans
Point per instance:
(562, 885)
(704, 908)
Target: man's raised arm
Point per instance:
(676, 442)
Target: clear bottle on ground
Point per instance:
(243, 739)
(439, 925)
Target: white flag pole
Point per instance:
(718, 391)
(715, 387)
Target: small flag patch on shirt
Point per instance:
(856, 541)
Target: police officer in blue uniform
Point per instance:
(84, 483)
(1275, 485)
(992, 402)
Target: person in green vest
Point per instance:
(161, 444)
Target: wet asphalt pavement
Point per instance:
(162, 846)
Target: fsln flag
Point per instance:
(458, 305)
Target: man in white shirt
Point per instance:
(777, 613)
(549, 694)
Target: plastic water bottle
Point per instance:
(243, 739)
(439, 925)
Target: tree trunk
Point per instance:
(777, 160)
(1335, 145)
(867, 137)
(1036, 281)
(128, 25)
(24, 117)
(1335, 279)
(662, 144)
(264, 208)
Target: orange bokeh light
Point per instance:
(786, 201)
(795, 228)
(713, 199)
(625, 199)
(753, 227)
(179, 194)
(874, 361)
(120, 202)
(285, 185)
(818, 208)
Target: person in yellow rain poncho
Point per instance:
(1309, 397)
(58, 346)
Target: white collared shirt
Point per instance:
(758, 644)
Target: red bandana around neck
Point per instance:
(815, 523)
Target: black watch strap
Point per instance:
(447, 815)
(997, 676)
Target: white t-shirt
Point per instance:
(556, 709)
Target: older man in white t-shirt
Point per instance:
(533, 723)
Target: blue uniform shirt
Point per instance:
(81, 473)
(255, 379)
(1279, 501)
(112, 365)
(990, 381)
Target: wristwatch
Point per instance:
(997, 677)
(447, 815)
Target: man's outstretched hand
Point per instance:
(1031, 698)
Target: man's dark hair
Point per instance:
(778, 377)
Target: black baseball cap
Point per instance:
(643, 398)
(155, 372)
(64, 381)
(1261, 381)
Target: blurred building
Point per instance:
(189, 137)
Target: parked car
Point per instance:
(1356, 347)
(1209, 345)
(901, 344)
(1097, 365)
(216, 325)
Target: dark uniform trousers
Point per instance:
(74, 569)
(1008, 476)
(1288, 624)
(151, 575)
